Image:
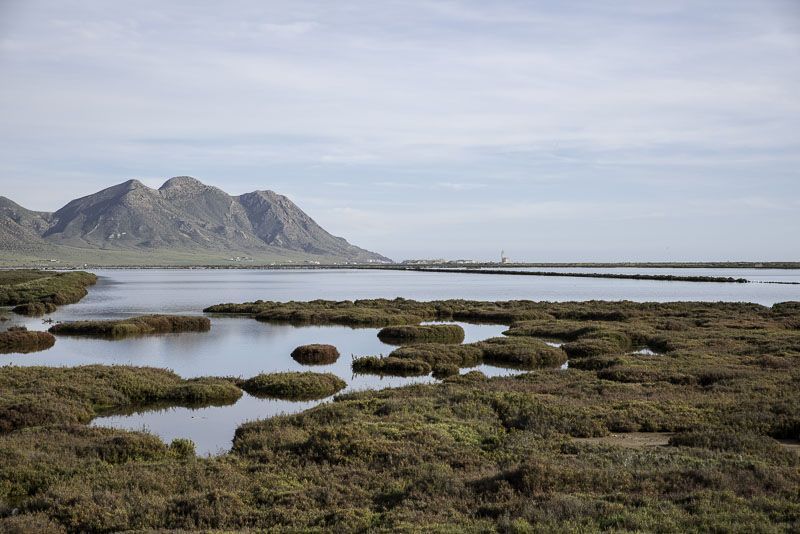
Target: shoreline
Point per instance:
(766, 265)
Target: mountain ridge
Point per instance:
(182, 215)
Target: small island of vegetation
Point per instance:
(315, 354)
(134, 326)
(427, 333)
(35, 292)
(20, 339)
(293, 385)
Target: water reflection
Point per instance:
(242, 347)
(210, 428)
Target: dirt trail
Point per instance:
(634, 440)
(641, 440)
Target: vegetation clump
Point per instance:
(19, 339)
(143, 324)
(443, 370)
(360, 313)
(739, 442)
(25, 286)
(440, 354)
(428, 333)
(294, 386)
(315, 354)
(520, 353)
(390, 365)
(34, 309)
(35, 396)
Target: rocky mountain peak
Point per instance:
(182, 183)
(182, 215)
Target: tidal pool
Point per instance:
(235, 346)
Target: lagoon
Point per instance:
(241, 346)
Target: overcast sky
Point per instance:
(556, 130)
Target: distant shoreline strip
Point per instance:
(657, 277)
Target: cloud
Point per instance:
(443, 106)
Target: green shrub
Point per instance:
(294, 386)
(32, 523)
(593, 315)
(520, 352)
(36, 396)
(429, 333)
(470, 377)
(35, 308)
(182, 448)
(444, 370)
(130, 446)
(440, 353)
(25, 341)
(28, 286)
(390, 365)
(140, 325)
(594, 363)
(565, 330)
(315, 354)
(726, 439)
(591, 347)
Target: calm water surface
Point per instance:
(241, 346)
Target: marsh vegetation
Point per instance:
(134, 326)
(294, 385)
(35, 292)
(469, 453)
(19, 339)
(36, 396)
(390, 365)
(427, 333)
(315, 354)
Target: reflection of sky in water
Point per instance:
(244, 347)
(235, 346)
(239, 346)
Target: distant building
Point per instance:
(424, 261)
(503, 257)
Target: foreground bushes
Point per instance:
(315, 354)
(738, 442)
(470, 454)
(144, 324)
(20, 339)
(429, 333)
(294, 386)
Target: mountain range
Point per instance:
(182, 220)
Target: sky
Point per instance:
(592, 130)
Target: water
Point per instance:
(241, 346)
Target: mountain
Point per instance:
(183, 216)
(21, 228)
